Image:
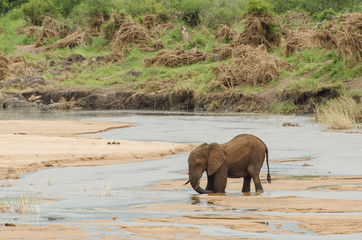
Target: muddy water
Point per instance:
(73, 195)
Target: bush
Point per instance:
(217, 16)
(35, 10)
(259, 6)
(66, 6)
(327, 14)
(316, 6)
(82, 13)
(190, 10)
(7, 5)
(138, 8)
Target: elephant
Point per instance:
(241, 157)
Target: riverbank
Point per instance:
(304, 206)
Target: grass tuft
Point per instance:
(340, 113)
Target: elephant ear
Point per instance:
(216, 158)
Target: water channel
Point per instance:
(106, 192)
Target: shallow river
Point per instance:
(105, 192)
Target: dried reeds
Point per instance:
(114, 57)
(298, 39)
(224, 52)
(149, 21)
(176, 57)
(350, 38)
(4, 67)
(46, 33)
(130, 33)
(250, 65)
(324, 39)
(260, 28)
(224, 33)
(19, 66)
(72, 40)
(341, 113)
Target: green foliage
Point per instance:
(66, 6)
(35, 10)
(326, 14)
(138, 8)
(221, 13)
(259, 6)
(7, 5)
(191, 9)
(316, 6)
(81, 13)
(9, 23)
(283, 108)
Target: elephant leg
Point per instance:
(255, 175)
(258, 186)
(246, 185)
(220, 179)
(210, 183)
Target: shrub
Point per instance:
(190, 10)
(217, 16)
(66, 6)
(35, 10)
(259, 6)
(326, 14)
(316, 6)
(138, 8)
(7, 5)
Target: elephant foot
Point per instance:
(260, 191)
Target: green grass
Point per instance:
(303, 84)
(283, 108)
(10, 23)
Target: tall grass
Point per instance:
(24, 205)
(340, 113)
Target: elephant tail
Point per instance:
(267, 163)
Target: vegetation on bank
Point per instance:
(209, 47)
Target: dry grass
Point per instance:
(4, 68)
(65, 104)
(251, 66)
(176, 57)
(24, 205)
(341, 113)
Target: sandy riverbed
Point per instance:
(31, 145)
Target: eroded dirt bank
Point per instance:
(125, 99)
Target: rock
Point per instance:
(34, 81)
(134, 73)
(52, 63)
(75, 58)
(287, 124)
(16, 102)
(15, 82)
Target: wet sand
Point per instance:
(55, 144)
(31, 145)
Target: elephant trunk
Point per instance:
(195, 183)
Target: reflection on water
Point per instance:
(105, 192)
